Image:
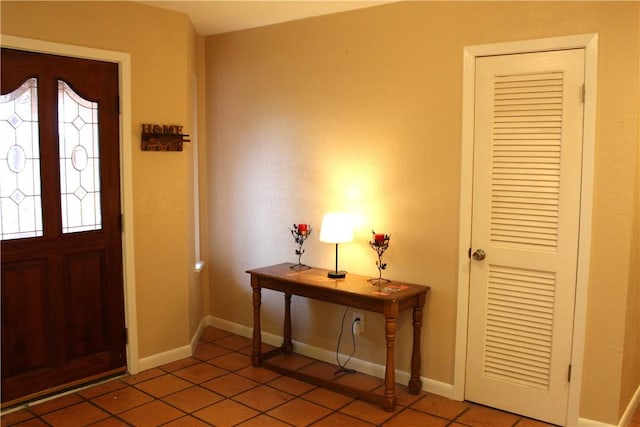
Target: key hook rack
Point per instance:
(162, 137)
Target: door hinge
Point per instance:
(569, 374)
(119, 104)
(469, 253)
(584, 92)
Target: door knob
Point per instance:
(479, 255)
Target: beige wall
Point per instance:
(361, 111)
(358, 111)
(631, 358)
(162, 46)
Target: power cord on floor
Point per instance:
(343, 368)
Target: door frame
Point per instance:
(123, 59)
(589, 42)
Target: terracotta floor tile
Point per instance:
(55, 404)
(192, 399)
(143, 376)
(480, 416)
(405, 397)
(327, 398)
(200, 373)
(341, 420)
(322, 370)
(440, 406)
(263, 398)
(291, 385)
(258, 374)
(211, 334)
(219, 386)
(97, 390)
(411, 418)
(360, 381)
(292, 361)
(231, 361)
(76, 415)
(187, 421)
(33, 422)
(299, 412)
(263, 421)
(15, 417)
(209, 350)
(180, 364)
(263, 348)
(153, 413)
(230, 384)
(110, 422)
(368, 412)
(225, 413)
(234, 342)
(163, 385)
(122, 400)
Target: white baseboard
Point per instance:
(164, 358)
(176, 353)
(196, 337)
(366, 367)
(627, 416)
(585, 422)
(633, 405)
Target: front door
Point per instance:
(62, 284)
(525, 229)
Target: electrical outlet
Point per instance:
(358, 323)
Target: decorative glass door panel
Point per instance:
(20, 193)
(79, 161)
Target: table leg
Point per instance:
(287, 345)
(256, 354)
(415, 384)
(390, 316)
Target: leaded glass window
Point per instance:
(79, 161)
(20, 192)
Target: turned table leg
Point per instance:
(390, 316)
(415, 384)
(256, 354)
(287, 345)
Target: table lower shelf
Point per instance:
(329, 376)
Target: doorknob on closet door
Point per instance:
(479, 255)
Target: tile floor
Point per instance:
(218, 386)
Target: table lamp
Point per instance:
(336, 228)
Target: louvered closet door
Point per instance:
(527, 170)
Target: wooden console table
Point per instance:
(353, 291)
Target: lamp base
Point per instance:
(337, 274)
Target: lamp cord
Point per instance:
(342, 366)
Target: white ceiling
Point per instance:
(214, 17)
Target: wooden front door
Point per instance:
(62, 284)
(525, 230)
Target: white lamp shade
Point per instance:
(336, 228)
